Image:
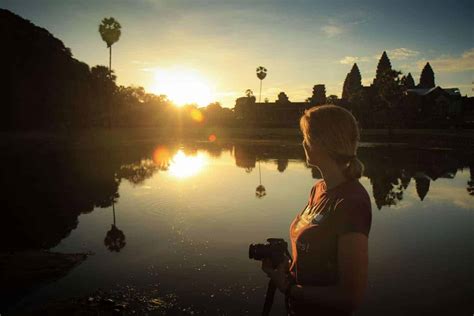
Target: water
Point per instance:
(186, 213)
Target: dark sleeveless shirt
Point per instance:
(315, 232)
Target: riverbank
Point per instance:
(124, 136)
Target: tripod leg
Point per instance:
(267, 306)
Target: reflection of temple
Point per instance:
(47, 190)
(389, 169)
(470, 183)
(422, 184)
(246, 155)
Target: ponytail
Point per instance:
(354, 169)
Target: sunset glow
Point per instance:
(182, 86)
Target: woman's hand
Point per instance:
(279, 275)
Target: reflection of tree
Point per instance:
(391, 168)
(282, 164)
(260, 192)
(61, 184)
(245, 157)
(115, 238)
(387, 192)
(246, 154)
(138, 172)
(388, 181)
(470, 183)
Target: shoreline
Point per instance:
(265, 136)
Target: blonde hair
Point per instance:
(336, 129)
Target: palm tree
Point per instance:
(261, 74)
(110, 32)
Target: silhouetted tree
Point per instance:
(104, 88)
(248, 93)
(352, 83)
(332, 99)
(43, 86)
(261, 74)
(427, 79)
(110, 31)
(319, 95)
(408, 82)
(282, 98)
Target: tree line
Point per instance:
(45, 87)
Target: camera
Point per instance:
(275, 249)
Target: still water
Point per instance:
(178, 219)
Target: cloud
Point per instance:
(465, 62)
(402, 53)
(332, 30)
(349, 60)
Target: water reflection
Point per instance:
(470, 183)
(260, 191)
(46, 195)
(61, 184)
(184, 166)
(115, 238)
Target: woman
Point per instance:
(329, 238)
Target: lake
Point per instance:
(175, 219)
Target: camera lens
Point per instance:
(259, 251)
(252, 251)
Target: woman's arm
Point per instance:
(353, 267)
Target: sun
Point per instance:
(182, 86)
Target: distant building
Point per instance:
(278, 113)
(437, 107)
(454, 92)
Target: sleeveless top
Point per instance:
(314, 236)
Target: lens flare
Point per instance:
(161, 156)
(212, 138)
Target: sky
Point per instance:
(214, 47)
